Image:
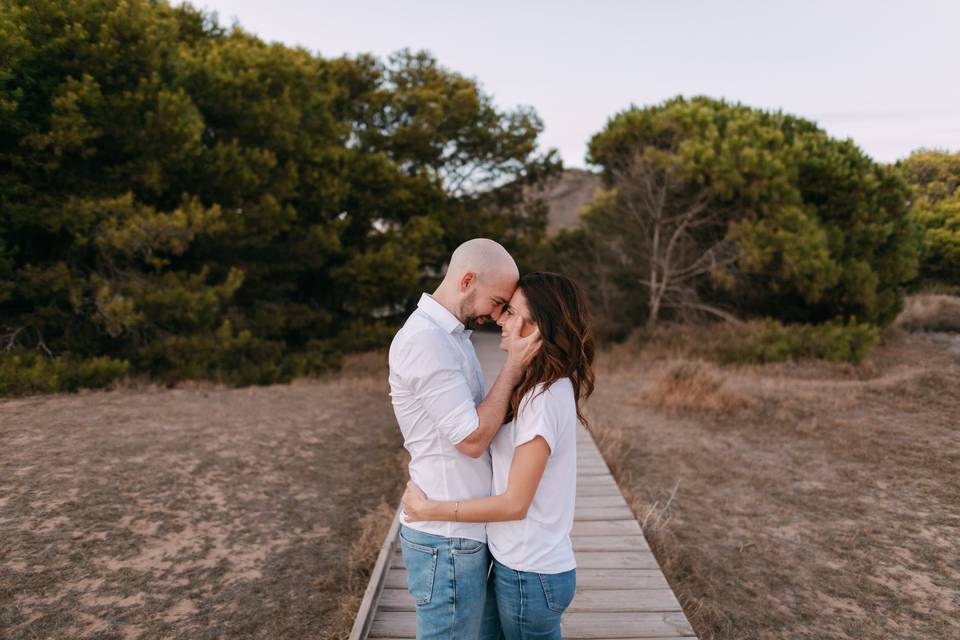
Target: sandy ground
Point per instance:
(803, 500)
(800, 500)
(188, 513)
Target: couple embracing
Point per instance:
(487, 514)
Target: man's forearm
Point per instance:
(492, 411)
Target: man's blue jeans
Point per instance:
(529, 605)
(447, 578)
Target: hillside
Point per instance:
(566, 195)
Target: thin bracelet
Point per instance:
(455, 510)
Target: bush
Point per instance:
(27, 372)
(931, 312)
(228, 356)
(777, 342)
(752, 342)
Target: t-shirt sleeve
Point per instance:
(437, 381)
(536, 417)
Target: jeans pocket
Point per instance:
(468, 547)
(559, 589)
(421, 563)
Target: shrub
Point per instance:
(28, 372)
(773, 341)
(931, 312)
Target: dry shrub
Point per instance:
(692, 386)
(372, 530)
(681, 563)
(664, 341)
(369, 364)
(930, 312)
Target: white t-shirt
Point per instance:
(541, 541)
(435, 385)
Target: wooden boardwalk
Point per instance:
(621, 592)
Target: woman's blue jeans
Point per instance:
(448, 579)
(528, 605)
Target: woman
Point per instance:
(534, 455)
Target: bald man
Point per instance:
(436, 386)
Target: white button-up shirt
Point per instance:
(436, 384)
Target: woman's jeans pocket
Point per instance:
(421, 563)
(559, 589)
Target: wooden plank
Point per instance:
(581, 477)
(396, 579)
(576, 625)
(622, 600)
(634, 624)
(613, 579)
(607, 500)
(603, 513)
(589, 454)
(597, 490)
(587, 457)
(605, 528)
(610, 543)
(394, 624)
(616, 560)
(397, 600)
(592, 471)
(605, 482)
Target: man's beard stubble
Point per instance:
(468, 313)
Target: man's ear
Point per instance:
(466, 280)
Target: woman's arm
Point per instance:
(526, 469)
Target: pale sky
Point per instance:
(886, 74)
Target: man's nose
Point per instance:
(496, 313)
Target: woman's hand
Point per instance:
(414, 503)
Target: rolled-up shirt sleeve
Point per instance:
(438, 383)
(536, 417)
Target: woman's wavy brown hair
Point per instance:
(558, 307)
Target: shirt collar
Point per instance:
(441, 315)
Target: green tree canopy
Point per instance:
(935, 177)
(194, 200)
(821, 230)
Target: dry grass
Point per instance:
(930, 312)
(693, 385)
(369, 365)
(800, 500)
(372, 528)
